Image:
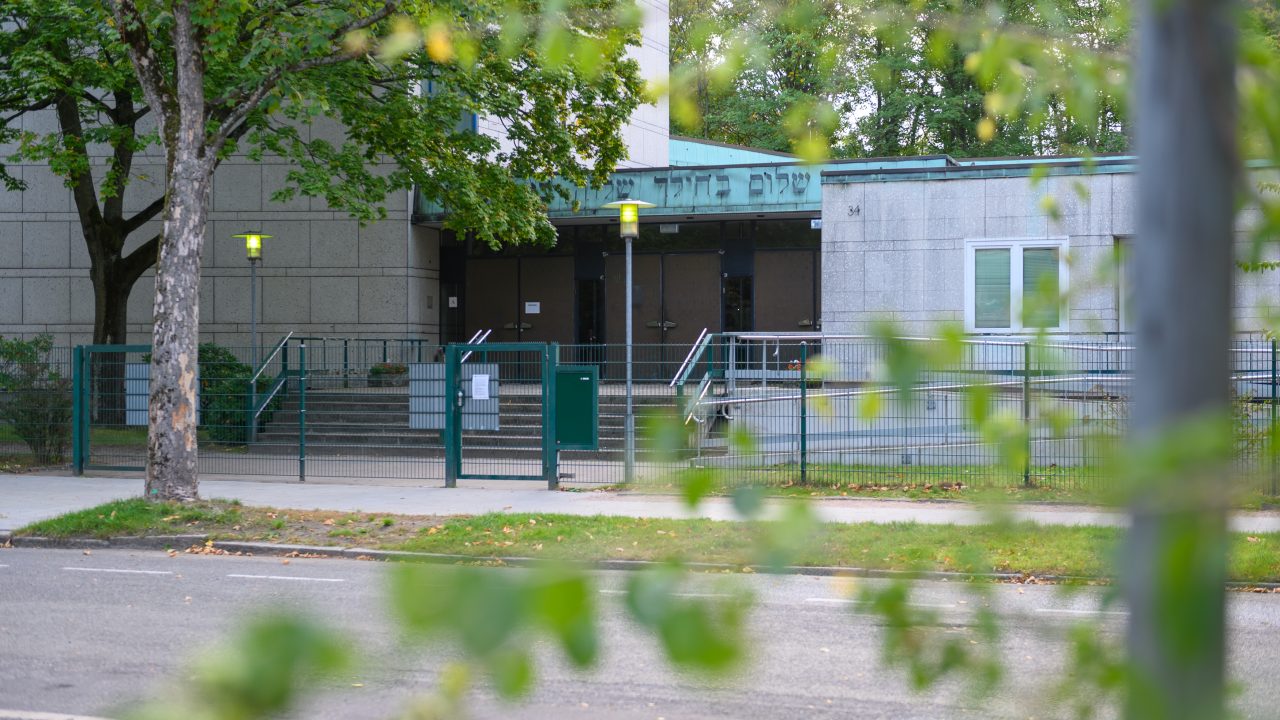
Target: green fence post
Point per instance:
(804, 412)
(302, 412)
(77, 410)
(1026, 412)
(452, 430)
(1274, 489)
(550, 453)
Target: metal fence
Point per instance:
(850, 410)
(749, 408)
(35, 405)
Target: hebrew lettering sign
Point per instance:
(693, 191)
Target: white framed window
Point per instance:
(1004, 276)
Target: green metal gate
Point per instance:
(500, 412)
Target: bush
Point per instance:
(224, 394)
(35, 399)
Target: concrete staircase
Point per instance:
(366, 421)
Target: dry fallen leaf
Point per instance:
(88, 552)
(328, 521)
(284, 561)
(1253, 539)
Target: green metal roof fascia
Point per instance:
(845, 176)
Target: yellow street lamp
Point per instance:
(629, 227)
(253, 251)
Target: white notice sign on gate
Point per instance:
(479, 387)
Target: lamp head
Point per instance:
(253, 244)
(629, 215)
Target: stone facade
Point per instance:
(322, 273)
(894, 249)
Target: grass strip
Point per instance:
(1026, 548)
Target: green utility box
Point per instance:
(577, 407)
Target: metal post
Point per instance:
(78, 410)
(804, 413)
(629, 472)
(1274, 372)
(253, 312)
(302, 412)
(1026, 412)
(452, 432)
(346, 365)
(550, 448)
(252, 430)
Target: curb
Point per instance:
(182, 542)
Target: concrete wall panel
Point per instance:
(46, 300)
(46, 244)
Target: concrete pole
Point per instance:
(1173, 565)
(629, 429)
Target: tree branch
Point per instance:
(122, 158)
(252, 99)
(139, 261)
(145, 215)
(133, 31)
(83, 190)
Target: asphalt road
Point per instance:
(90, 634)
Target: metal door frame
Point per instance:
(453, 453)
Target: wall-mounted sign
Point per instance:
(532, 308)
(668, 228)
(815, 224)
(453, 301)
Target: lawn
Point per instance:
(967, 483)
(1025, 548)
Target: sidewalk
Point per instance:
(27, 498)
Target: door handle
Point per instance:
(805, 323)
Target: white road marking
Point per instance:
(286, 577)
(688, 595)
(30, 715)
(118, 570)
(844, 601)
(1070, 611)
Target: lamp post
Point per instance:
(629, 227)
(253, 250)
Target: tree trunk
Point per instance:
(172, 456)
(1173, 566)
(110, 327)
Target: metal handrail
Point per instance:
(695, 354)
(274, 390)
(477, 339)
(692, 349)
(279, 346)
(703, 387)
